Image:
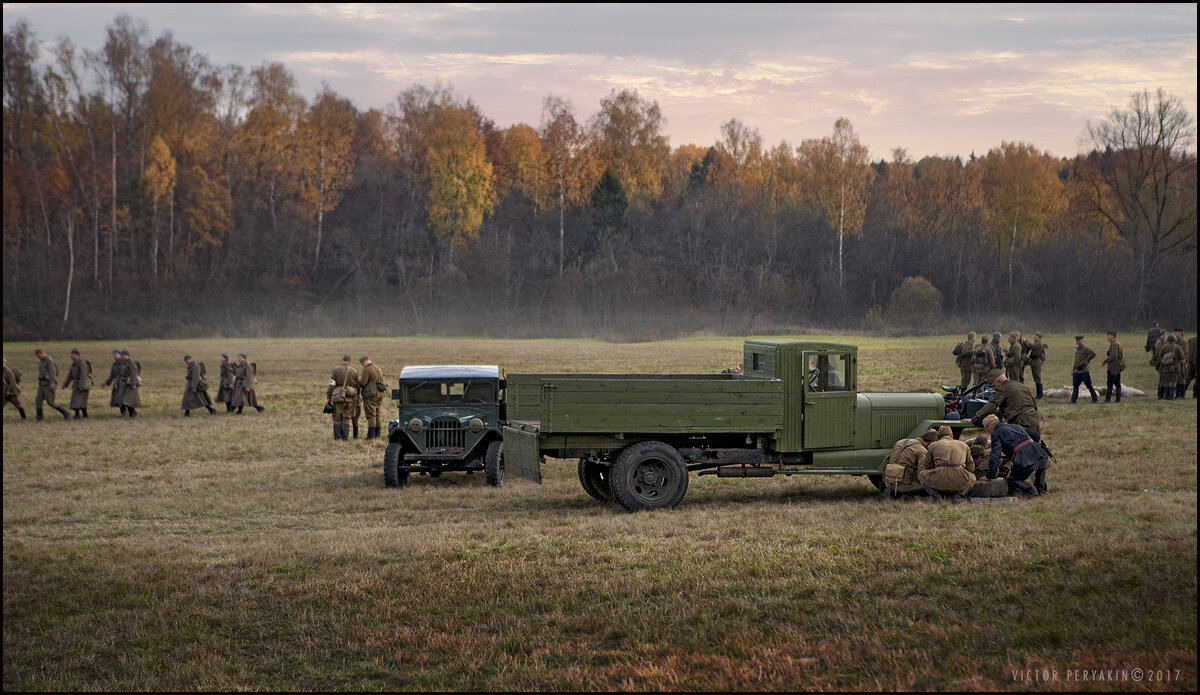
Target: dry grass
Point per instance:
(254, 552)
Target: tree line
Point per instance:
(148, 192)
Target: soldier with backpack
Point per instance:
(1170, 361)
(195, 392)
(129, 377)
(340, 397)
(228, 377)
(48, 382)
(962, 359)
(244, 393)
(80, 374)
(12, 388)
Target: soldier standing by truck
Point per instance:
(962, 359)
(12, 389)
(1014, 401)
(373, 387)
(343, 389)
(47, 383)
(80, 374)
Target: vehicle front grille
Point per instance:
(445, 433)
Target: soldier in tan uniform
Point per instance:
(12, 389)
(48, 382)
(947, 467)
(373, 386)
(901, 464)
(80, 374)
(1182, 371)
(1170, 361)
(342, 391)
(982, 361)
(244, 392)
(195, 390)
(962, 359)
(1014, 364)
(1014, 401)
(1115, 363)
(1035, 356)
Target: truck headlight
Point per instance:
(415, 425)
(476, 425)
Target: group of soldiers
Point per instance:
(236, 390)
(1175, 360)
(354, 392)
(976, 361)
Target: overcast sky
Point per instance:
(933, 79)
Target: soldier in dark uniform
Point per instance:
(228, 376)
(997, 351)
(1152, 337)
(244, 393)
(195, 390)
(373, 387)
(47, 383)
(1080, 374)
(1035, 355)
(962, 359)
(982, 361)
(12, 389)
(1027, 457)
(1115, 360)
(80, 374)
(343, 388)
(1014, 401)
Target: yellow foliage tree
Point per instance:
(1022, 190)
(160, 185)
(460, 177)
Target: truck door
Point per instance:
(829, 396)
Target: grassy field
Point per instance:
(254, 552)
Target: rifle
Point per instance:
(1045, 448)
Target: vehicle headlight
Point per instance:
(415, 425)
(476, 425)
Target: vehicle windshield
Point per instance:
(427, 392)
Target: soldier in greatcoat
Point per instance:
(947, 467)
(244, 393)
(129, 374)
(1014, 364)
(195, 390)
(1035, 356)
(80, 374)
(1182, 370)
(901, 464)
(982, 361)
(1170, 361)
(1014, 401)
(47, 384)
(12, 389)
(962, 359)
(1114, 362)
(115, 401)
(343, 388)
(373, 387)
(997, 351)
(228, 376)
(1193, 365)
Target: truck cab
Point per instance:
(449, 419)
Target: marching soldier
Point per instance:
(947, 467)
(1080, 374)
(12, 389)
(80, 374)
(901, 465)
(1014, 365)
(1014, 401)
(113, 378)
(962, 359)
(1035, 356)
(1170, 360)
(48, 382)
(129, 374)
(228, 377)
(982, 361)
(373, 387)
(244, 382)
(1115, 359)
(195, 392)
(343, 388)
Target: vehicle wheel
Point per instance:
(876, 480)
(493, 464)
(648, 475)
(392, 475)
(434, 473)
(594, 476)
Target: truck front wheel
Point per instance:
(493, 464)
(594, 478)
(648, 475)
(392, 475)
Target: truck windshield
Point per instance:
(427, 392)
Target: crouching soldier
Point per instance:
(1027, 457)
(946, 468)
(901, 464)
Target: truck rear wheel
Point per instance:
(648, 475)
(392, 475)
(594, 478)
(876, 480)
(493, 464)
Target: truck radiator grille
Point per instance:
(445, 433)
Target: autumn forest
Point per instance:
(151, 193)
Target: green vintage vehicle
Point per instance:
(795, 410)
(449, 420)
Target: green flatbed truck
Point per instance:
(794, 410)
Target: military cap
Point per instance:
(945, 431)
(984, 339)
(241, 354)
(929, 435)
(186, 358)
(125, 352)
(996, 334)
(994, 374)
(225, 355)
(74, 351)
(977, 450)
(364, 358)
(1078, 337)
(1170, 339)
(981, 439)
(990, 419)
(345, 358)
